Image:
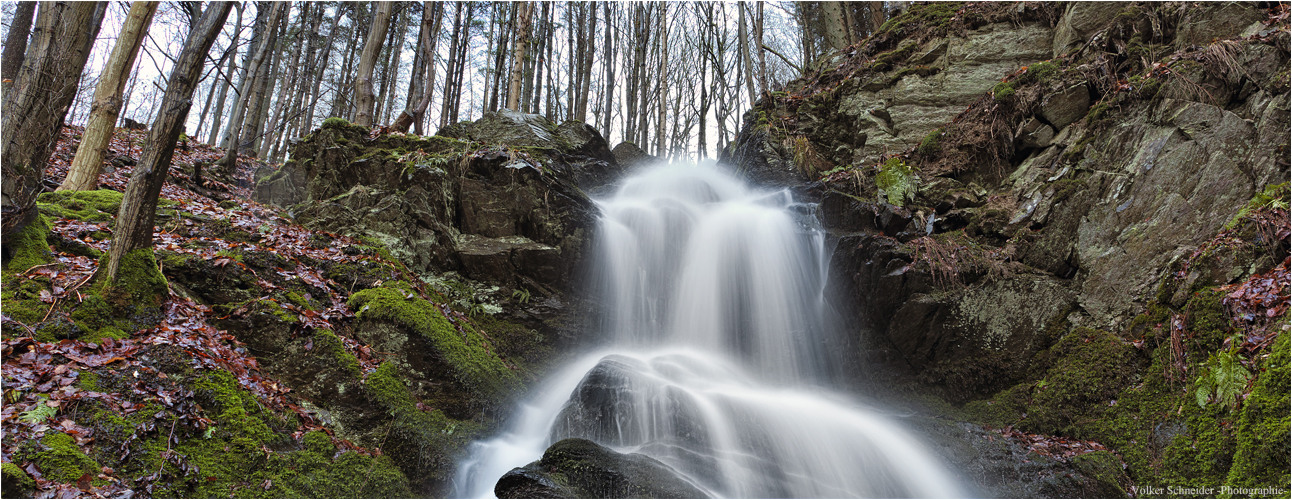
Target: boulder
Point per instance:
(1080, 20)
(631, 156)
(579, 468)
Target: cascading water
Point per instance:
(715, 310)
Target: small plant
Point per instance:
(1042, 71)
(521, 296)
(897, 181)
(1224, 379)
(40, 413)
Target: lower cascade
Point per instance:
(717, 355)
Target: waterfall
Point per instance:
(717, 355)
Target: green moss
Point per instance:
(61, 460)
(17, 483)
(1105, 468)
(1002, 91)
(1274, 195)
(464, 349)
(138, 287)
(897, 180)
(93, 206)
(327, 342)
(88, 381)
(1041, 72)
(1089, 368)
(28, 248)
(888, 60)
(422, 442)
(1261, 456)
(1206, 322)
(932, 15)
(929, 145)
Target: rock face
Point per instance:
(578, 468)
(1066, 230)
(500, 201)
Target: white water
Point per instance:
(717, 350)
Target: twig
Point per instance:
(39, 265)
(51, 310)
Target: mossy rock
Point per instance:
(16, 482)
(59, 458)
(460, 346)
(1089, 368)
(424, 444)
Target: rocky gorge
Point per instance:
(1059, 244)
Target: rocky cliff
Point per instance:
(1069, 219)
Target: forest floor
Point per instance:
(49, 375)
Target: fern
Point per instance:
(897, 181)
(40, 413)
(1225, 379)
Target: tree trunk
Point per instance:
(263, 93)
(433, 11)
(661, 86)
(585, 81)
(608, 62)
(83, 175)
(396, 48)
(35, 106)
(367, 61)
(228, 164)
(318, 76)
(834, 25)
(134, 229)
(450, 92)
(15, 44)
(500, 59)
(762, 56)
(287, 89)
(746, 60)
(340, 104)
(459, 69)
(525, 11)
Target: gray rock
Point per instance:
(1033, 134)
(1216, 21)
(1080, 20)
(1065, 107)
(630, 156)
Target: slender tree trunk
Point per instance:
(451, 88)
(287, 89)
(134, 229)
(83, 175)
(246, 79)
(608, 62)
(661, 76)
(371, 48)
(459, 69)
(226, 82)
(35, 106)
(318, 76)
(263, 94)
(229, 163)
(500, 58)
(762, 56)
(15, 44)
(431, 24)
(585, 80)
(525, 11)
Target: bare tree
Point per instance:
(134, 229)
(83, 175)
(432, 13)
(229, 163)
(35, 106)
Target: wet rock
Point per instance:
(1210, 22)
(998, 467)
(578, 468)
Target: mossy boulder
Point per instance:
(16, 482)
